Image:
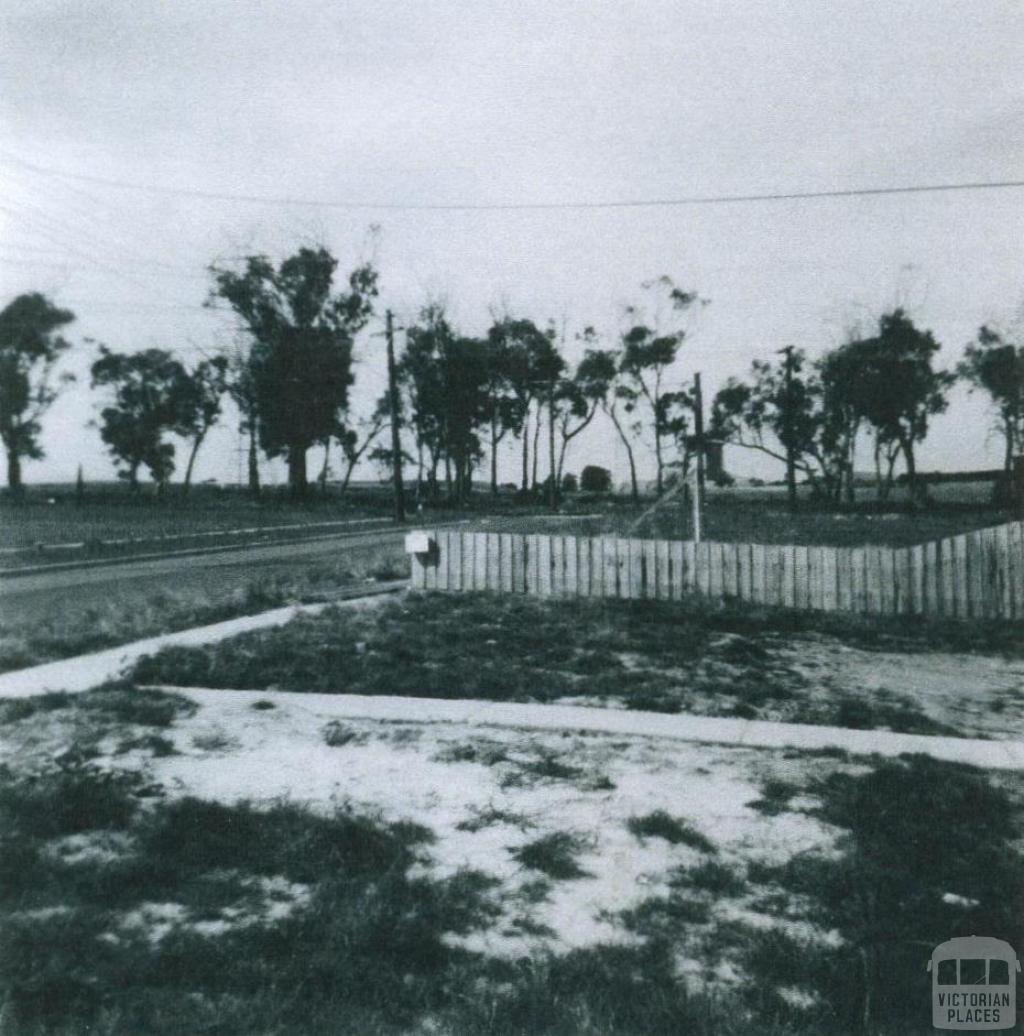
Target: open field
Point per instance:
(691, 657)
(112, 513)
(761, 516)
(741, 514)
(197, 863)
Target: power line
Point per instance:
(695, 199)
(80, 264)
(99, 235)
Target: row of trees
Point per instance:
(465, 396)
(459, 398)
(886, 386)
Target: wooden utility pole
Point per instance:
(553, 489)
(787, 422)
(698, 482)
(396, 442)
(1018, 485)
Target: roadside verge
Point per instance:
(85, 671)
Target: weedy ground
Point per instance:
(290, 879)
(67, 629)
(692, 656)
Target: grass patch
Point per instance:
(660, 824)
(123, 703)
(213, 742)
(696, 657)
(362, 950)
(13, 710)
(775, 796)
(554, 855)
(666, 917)
(545, 766)
(709, 876)
(116, 703)
(157, 745)
(901, 715)
(489, 816)
(480, 750)
(72, 799)
(759, 515)
(337, 735)
(914, 831)
(549, 768)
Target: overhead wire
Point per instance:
(98, 234)
(621, 203)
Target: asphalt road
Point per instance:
(217, 573)
(220, 573)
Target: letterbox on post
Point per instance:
(420, 547)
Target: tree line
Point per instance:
(459, 397)
(885, 386)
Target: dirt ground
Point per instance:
(583, 842)
(978, 695)
(485, 793)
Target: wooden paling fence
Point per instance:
(974, 575)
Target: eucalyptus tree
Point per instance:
(145, 389)
(355, 440)
(601, 370)
(197, 400)
(650, 348)
(446, 379)
(995, 364)
(579, 397)
(898, 388)
(423, 375)
(780, 412)
(533, 366)
(503, 413)
(300, 360)
(31, 346)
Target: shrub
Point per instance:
(595, 479)
(660, 824)
(554, 855)
(70, 800)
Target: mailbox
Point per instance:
(418, 543)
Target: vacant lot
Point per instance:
(693, 656)
(245, 863)
(735, 516)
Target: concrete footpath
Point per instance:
(994, 755)
(85, 671)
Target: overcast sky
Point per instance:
(510, 102)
